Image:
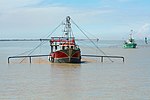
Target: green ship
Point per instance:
(130, 43)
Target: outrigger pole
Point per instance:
(34, 56)
(30, 57)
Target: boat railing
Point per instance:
(62, 40)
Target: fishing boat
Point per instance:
(64, 49)
(130, 43)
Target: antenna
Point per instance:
(131, 34)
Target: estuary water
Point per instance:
(90, 80)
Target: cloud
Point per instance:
(20, 10)
(8, 4)
(21, 19)
(41, 16)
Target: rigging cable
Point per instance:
(91, 40)
(32, 50)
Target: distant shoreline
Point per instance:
(24, 39)
(37, 39)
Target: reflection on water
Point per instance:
(66, 79)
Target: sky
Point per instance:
(103, 19)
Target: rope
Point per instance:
(90, 40)
(32, 50)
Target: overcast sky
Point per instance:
(104, 19)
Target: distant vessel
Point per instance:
(64, 49)
(130, 43)
(146, 40)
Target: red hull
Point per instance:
(66, 56)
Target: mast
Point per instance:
(68, 34)
(67, 30)
(131, 34)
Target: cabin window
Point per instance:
(63, 47)
(55, 47)
(72, 47)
